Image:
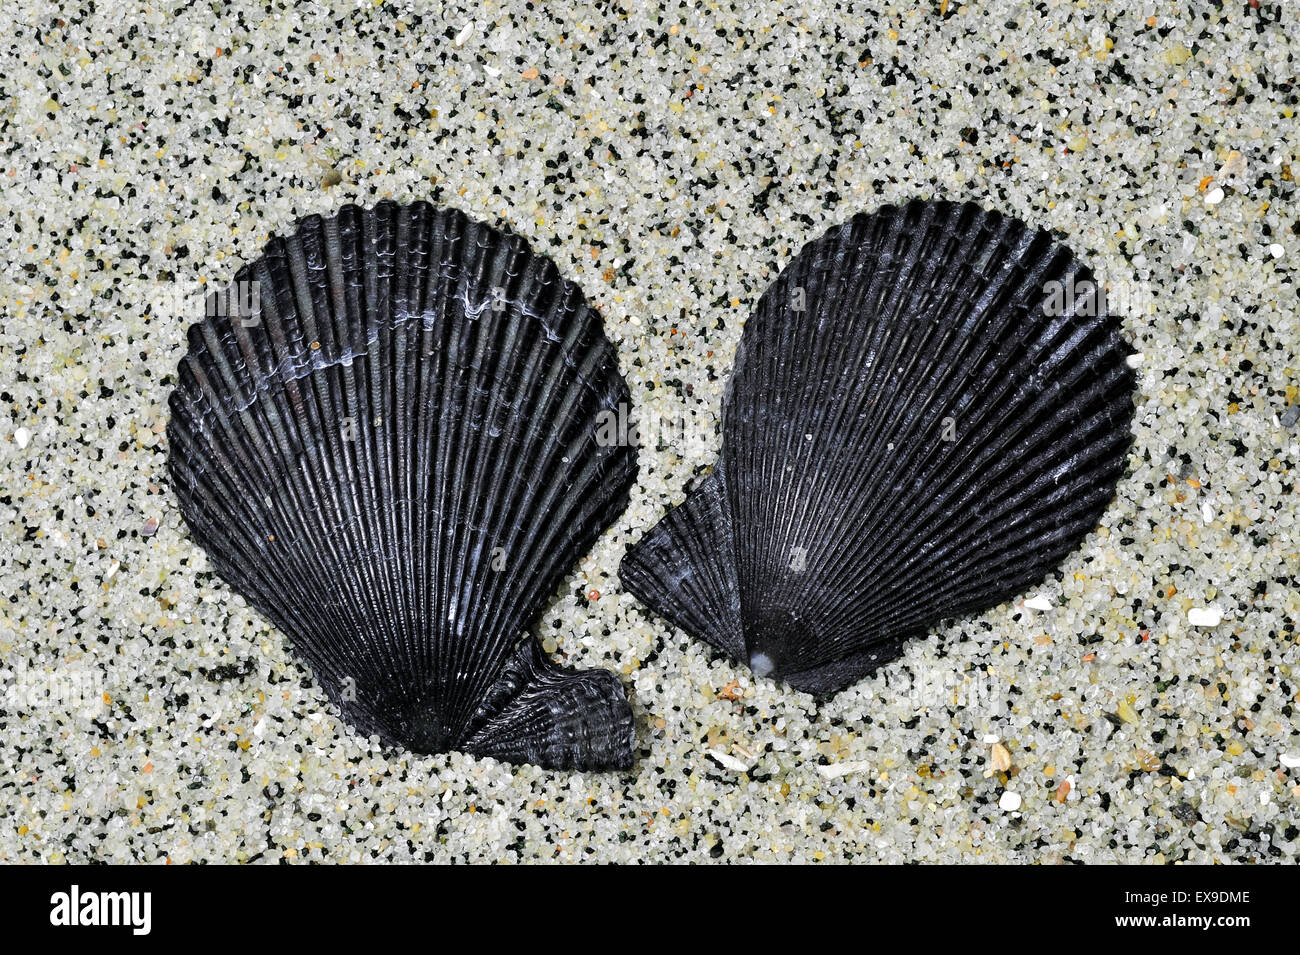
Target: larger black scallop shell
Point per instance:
(930, 408)
(392, 455)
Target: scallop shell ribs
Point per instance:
(385, 439)
(930, 408)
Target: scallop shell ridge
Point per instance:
(384, 439)
(930, 408)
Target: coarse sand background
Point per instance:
(671, 160)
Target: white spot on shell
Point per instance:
(761, 663)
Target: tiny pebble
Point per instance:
(22, 437)
(1289, 761)
(1214, 196)
(836, 770)
(1000, 758)
(1038, 602)
(727, 761)
(1135, 359)
(1010, 802)
(1205, 616)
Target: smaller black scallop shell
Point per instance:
(389, 449)
(930, 408)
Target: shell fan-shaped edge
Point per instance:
(930, 408)
(385, 439)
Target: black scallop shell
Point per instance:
(930, 408)
(392, 455)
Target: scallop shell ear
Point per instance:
(930, 408)
(390, 450)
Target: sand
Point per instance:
(671, 160)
